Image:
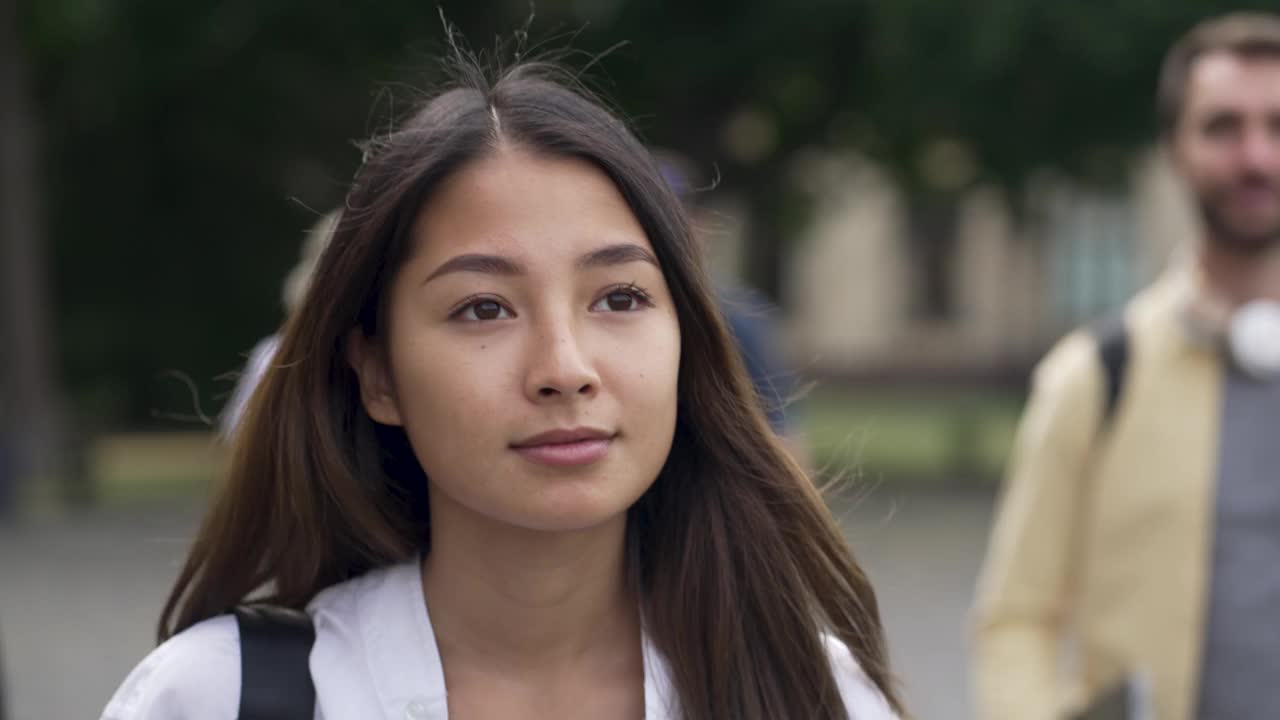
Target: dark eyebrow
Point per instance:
(485, 264)
(608, 256)
(619, 254)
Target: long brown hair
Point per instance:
(739, 565)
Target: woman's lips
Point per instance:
(566, 454)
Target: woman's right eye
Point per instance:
(483, 310)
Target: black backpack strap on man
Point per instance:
(1112, 335)
(275, 670)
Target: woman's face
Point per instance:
(532, 351)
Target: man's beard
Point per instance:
(1226, 236)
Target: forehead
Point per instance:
(1222, 80)
(520, 203)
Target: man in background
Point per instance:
(1135, 559)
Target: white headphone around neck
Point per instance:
(1249, 334)
(1254, 338)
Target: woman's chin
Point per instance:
(566, 512)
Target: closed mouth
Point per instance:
(564, 437)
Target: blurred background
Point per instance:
(930, 194)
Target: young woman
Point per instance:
(508, 461)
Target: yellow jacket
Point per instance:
(1099, 557)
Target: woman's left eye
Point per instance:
(627, 299)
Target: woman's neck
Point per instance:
(524, 599)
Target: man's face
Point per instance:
(1227, 146)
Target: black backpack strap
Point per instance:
(1112, 336)
(275, 672)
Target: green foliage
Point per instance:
(188, 145)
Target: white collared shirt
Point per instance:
(374, 648)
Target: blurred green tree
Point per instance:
(944, 95)
(187, 146)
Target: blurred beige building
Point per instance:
(850, 292)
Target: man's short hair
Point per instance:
(1245, 34)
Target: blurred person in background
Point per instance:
(295, 286)
(1135, 559)
(8, 477)
(9, 470)
(749, 314)
(507, 449)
